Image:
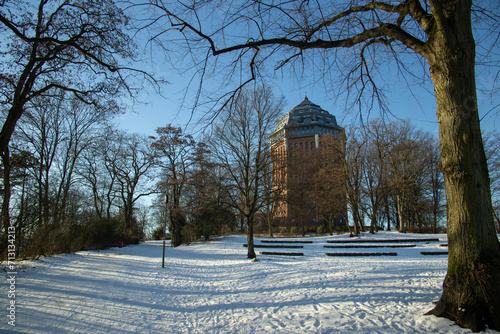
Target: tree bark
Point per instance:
(250, 241)
(400, 208)
(176, 225)
(355, 219)
(471, 290)
(387, 213)
(270, 226)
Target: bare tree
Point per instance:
(436, 32)
(240, 144)
(436, 184)
(353, 172)
(275, 189)
(175, 154)
(97, 173)
(375, 171)
(407, 160)
(132, 166)
(401, 162)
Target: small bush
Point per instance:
(340, 229)
(189, 234)
(210, 219)
(158, 233)
(321, 229)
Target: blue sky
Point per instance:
(418, 105)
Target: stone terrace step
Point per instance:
(370, 246)
(282, 253)
(288, 241)
(380, 240)
(362, 254)
(434, 253)
(275, 246)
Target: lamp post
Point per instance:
(165, 231)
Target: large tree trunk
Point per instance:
(250, 241)
(177, 220)
(471, 290)
(355, 218)
(387, 213)
(400, 209)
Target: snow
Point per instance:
(211, 287)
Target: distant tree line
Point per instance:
(76, 183)
(393, 178)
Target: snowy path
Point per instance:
(212, 288)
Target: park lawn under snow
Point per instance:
(211, 287)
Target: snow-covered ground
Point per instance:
(212, 288)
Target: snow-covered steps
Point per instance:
(275, 246)
(362, 254)
(371, 246)
(288, 241)
(382, 240)
(434, 253)
(282, 253)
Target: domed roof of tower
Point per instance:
(307, 106)
(305, 119)
(306, 113)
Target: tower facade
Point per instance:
(308, 179)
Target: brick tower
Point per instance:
(308, 182)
